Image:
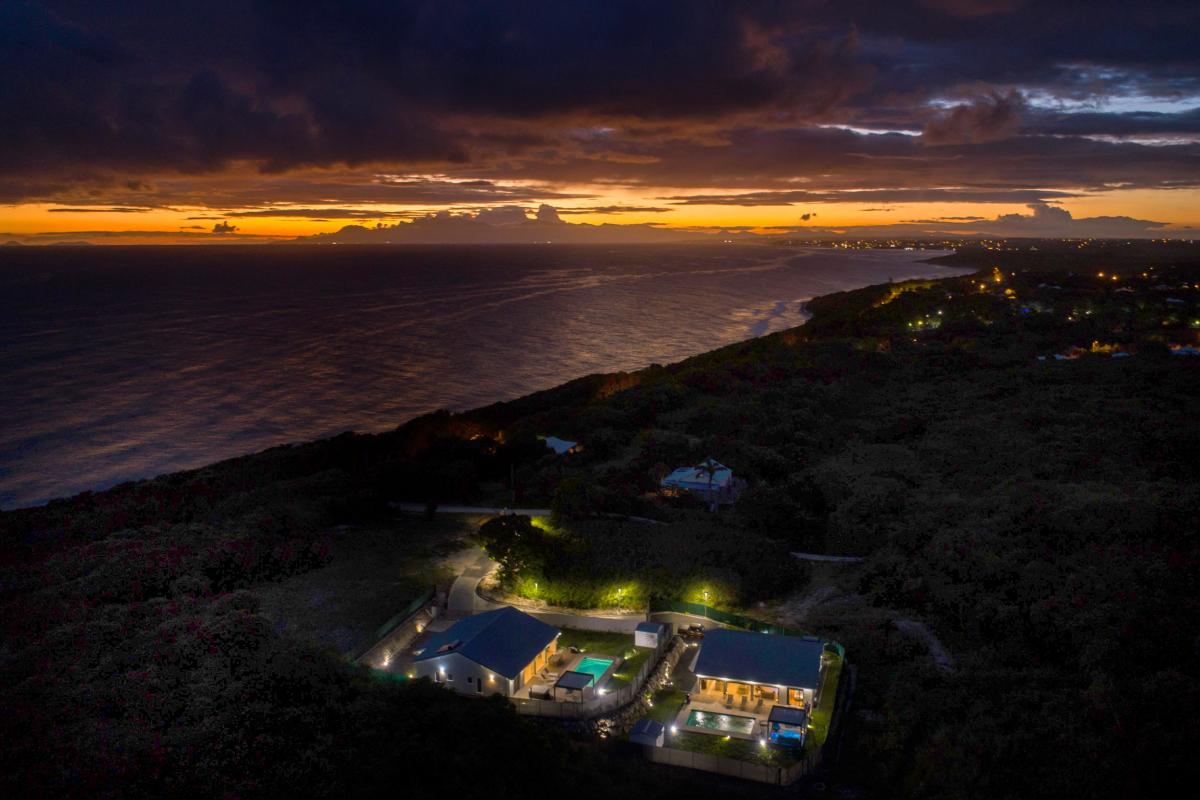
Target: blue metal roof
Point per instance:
(504, 640)
(575, 680)
(651, 627)
(647, 727)
(787, 715)
(709, 474)
(760, 658)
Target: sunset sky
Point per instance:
(208, 122)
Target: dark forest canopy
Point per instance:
(1038, 513)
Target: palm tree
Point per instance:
(710, 468)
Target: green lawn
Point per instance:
(632, 663)
(729, 747)
(598, 642)
(823, 712)
(667, 703)
(609, 644)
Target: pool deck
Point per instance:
(566, 662)
(713, 703)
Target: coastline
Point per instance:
(764, 319)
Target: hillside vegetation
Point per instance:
(1037, 513)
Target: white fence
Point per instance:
(763, 773)
(585, 623)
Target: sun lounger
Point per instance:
(744, 701)
(759, 706)
(729, 701)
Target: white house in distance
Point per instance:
(561, 446)
(496, 652)
(709, 480)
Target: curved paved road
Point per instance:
(463, 599)
(419, 508)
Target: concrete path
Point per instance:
(463, 599)
(941, 656)
(419, 508)
(795, 610)
(821, 557)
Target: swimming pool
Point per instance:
(727, 723)
(593, 666)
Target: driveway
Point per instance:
(463, 600)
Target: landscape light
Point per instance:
(674, 729)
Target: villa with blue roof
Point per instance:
(497, 652)
(750, 683)
(709, 481)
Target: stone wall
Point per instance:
(620, 721)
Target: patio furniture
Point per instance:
(729, 701)
(759, 706)
(744, 701)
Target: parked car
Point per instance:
(695, 631)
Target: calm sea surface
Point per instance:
(120, 363)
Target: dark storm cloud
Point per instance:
(346, 187)
(133, 104)
(972, 8)
(886, 195)
(624, 57)
(322, 213)
(102, 210)
(989, 118)
(1097, 123)
(615, 210)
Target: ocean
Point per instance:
(120, 363)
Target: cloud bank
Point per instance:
(370, 110)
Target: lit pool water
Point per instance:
(593, 666)
(727, 723)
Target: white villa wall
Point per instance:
(463, 675)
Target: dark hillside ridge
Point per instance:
(1014, 453)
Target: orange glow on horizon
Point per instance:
(180, 224)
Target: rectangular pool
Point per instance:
(726, 723)
(593, 666)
